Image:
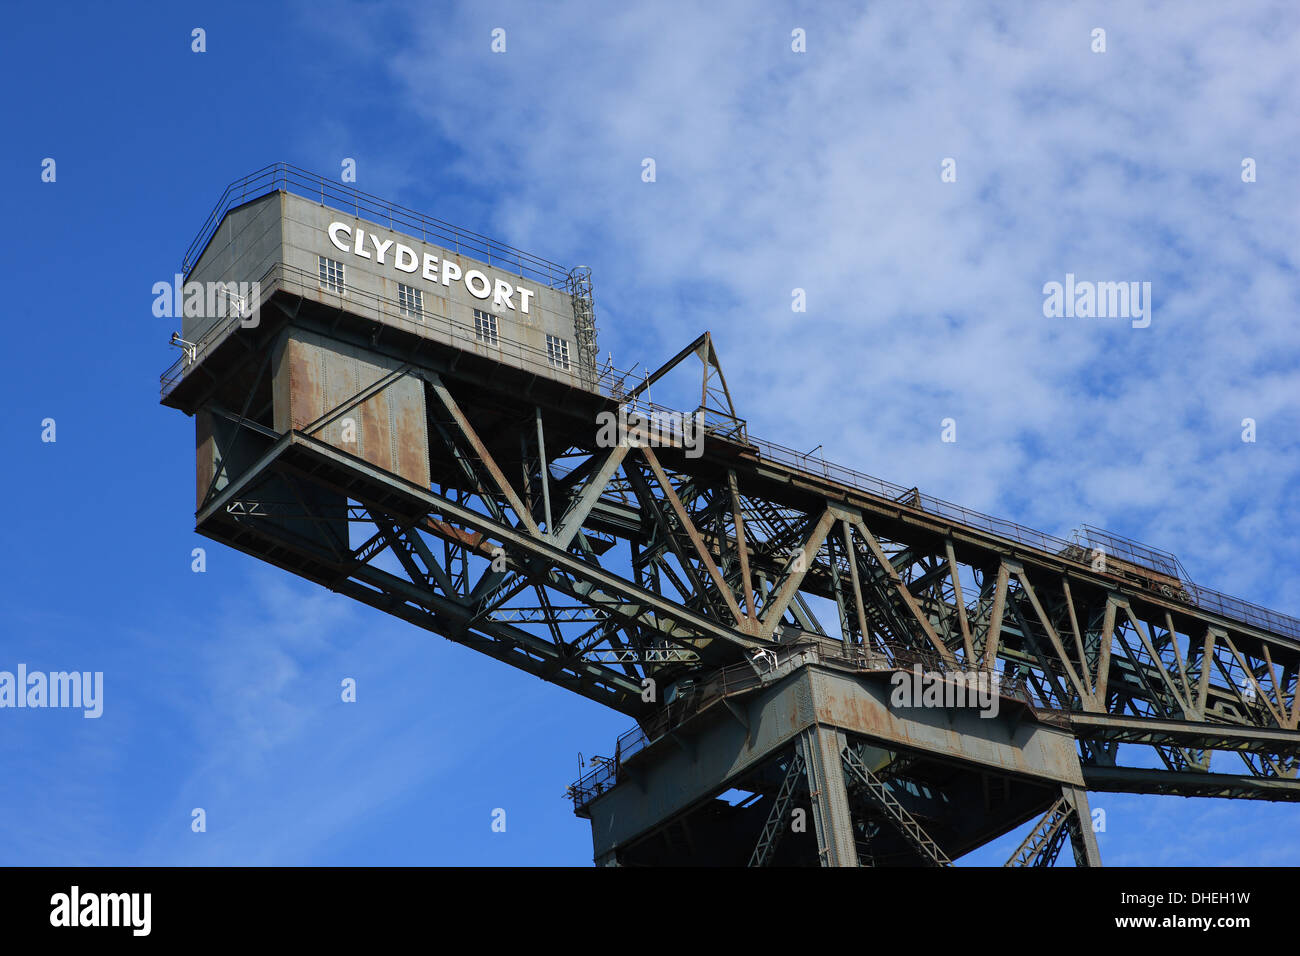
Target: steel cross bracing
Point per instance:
(879, 794)
(1043, 843)
(778, 817)
(605, 569)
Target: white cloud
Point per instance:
(821, 171)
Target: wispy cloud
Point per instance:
(281, 765)
(778, 170)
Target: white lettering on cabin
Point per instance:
(405, 259)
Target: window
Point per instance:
(557, 352)
(331, 275)
(485, 327)
(410, 301)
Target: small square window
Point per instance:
(410, 301)
(557, 352)
(331, 275)
(485, 327)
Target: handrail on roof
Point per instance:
(288, 178)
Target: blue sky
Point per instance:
(775, 170)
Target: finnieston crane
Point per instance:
(426, 448)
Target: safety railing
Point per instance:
(1126, 549)
(660, 422)
(689, 701)
(300, 182)
(881, 488)
(742, 677)
(282, 276)
(1204, 598)
(1235, 609)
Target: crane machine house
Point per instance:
(335, 286)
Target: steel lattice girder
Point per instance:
(775, 825)
(878, 793)
(1042, 844)
(1066, 817)
(750, 541)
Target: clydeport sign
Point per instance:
(405, 259)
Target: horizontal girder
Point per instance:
(606, 570)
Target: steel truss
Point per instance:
(619, 572)
(1067, 817)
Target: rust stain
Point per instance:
(306, 397)
(471, 539)
(316, 376)
(372, 429)
(410, 426)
